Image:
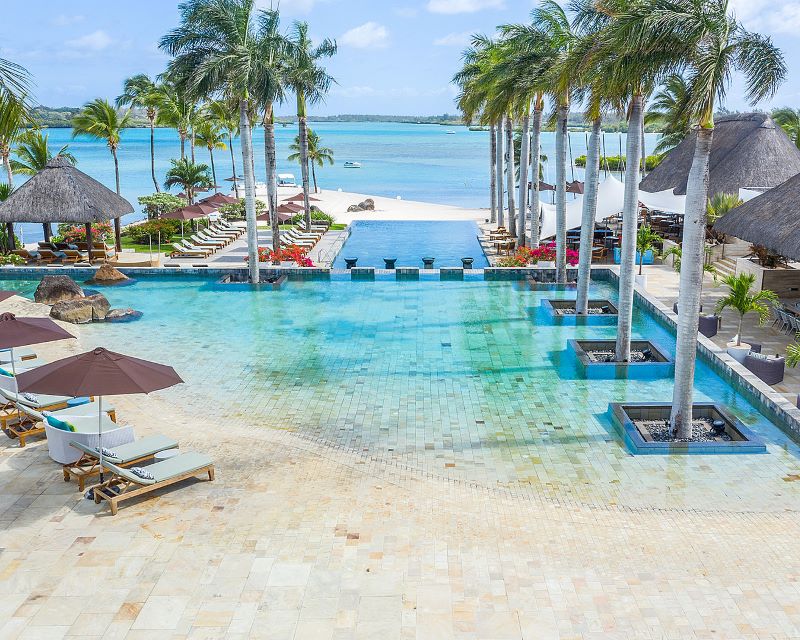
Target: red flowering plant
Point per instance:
(101, 232)
(525, 256)
(290, 254)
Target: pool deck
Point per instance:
(297, 539)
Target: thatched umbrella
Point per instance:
(62, 193)
(771, 219)
(749, 151)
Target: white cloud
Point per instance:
(369, 35)
(463, 6)
(453, 40)
(66, 21)
(768, 16)
(95, 41)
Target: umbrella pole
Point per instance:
(100, 433)
(14, 373)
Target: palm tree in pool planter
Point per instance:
(707, 39)
(317, 155)
(743, 301)
(99, 119)
(189, 176)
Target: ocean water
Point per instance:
(373, 240)
(471, 379)
(415, 162)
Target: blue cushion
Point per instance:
(59, 424)
(7, 374)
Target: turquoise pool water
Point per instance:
(468, 379)
(371, 241)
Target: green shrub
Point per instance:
(11, 258)
(158, 204)
(236, 211)
(316, 214)
(617, 163)
(141, 233)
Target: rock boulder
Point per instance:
(54, 289)
(123, 315)
(81, 311)
(107, 273)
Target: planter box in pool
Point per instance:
(272, 282)
(556, 309)
(662, 367)
(362, 273)
(742, 440)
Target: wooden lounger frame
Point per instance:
(25, 426)
(89, 465)
(129, 489)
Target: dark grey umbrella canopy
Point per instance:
(771, 219)
(62, 193)
(749, 151)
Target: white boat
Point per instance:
(451, 133)
(352, 165)
(286, 180)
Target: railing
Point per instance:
(328, 255)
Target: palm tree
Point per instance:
(141, 92)
(552, 21)
(646, 240)
(317, 155)
(215, 53)
(7, 238)
(666, 111)
(100, 120)
(788, 119)
(209, 134)
(740, 299)
(309, 82)
(13, 118)
(189, 176)
(274, 50)
(713, 45)
(176, 109)
(15, 81)
(33, 153)
(221, 113)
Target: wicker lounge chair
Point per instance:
(124, 484)
(125, 455)
(25, 422)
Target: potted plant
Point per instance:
(740, 299)
(646, 240)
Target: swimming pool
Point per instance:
(469, 379)
(448, 241)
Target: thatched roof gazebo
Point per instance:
(771, 219)
(62, 193)
(749, 151)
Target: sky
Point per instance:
(395, 56)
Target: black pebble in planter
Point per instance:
(390, 262)
(467, 262)
(350, 262)
(427, 263)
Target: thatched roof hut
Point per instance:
(771, 219)
(749, 151)
(62, 193)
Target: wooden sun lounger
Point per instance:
(127, 455)
(25, 422)
(124, 484)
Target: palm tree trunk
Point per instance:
(498, 158)
(191, 144)
(7, 166)
(692, 250)
(536, 153)
(561, 193)
(524, 163)
(182, 134)
(303, 126)
(117, 221)
(153, 153)
(314, 177)
(492, 174)
(233, 164)
(272, 177)
(12, 241)
(213, 168)
(587, 219)
(249, 191)
(630, 221)
(47, 230)
(511, 177)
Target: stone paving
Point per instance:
(301, 537)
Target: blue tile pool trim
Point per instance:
(639, 446)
